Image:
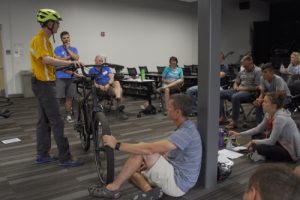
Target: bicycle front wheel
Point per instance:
(104, 155)
(81, 126)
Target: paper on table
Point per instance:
(229, 154)
(239, 148)
(13, 140)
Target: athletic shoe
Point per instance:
(254, 156)
(69, 118)
(101, 191)
(45, 159)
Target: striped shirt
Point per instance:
(40, 46)
(186, 158)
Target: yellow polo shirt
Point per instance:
(40, 46)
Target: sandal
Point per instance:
(101, 191)
(153, 194)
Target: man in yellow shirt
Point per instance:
(43, 65)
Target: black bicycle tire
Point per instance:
(99, 148)
(83, 134)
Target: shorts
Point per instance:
(161, 174)
(65, 88)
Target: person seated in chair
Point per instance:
(269, 82)
(244, 89)
(172, 78)
(277, 137)
(293, 73)
(192, 92)
(107, 85)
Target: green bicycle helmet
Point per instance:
(45, 15)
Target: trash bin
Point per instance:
(26, 83)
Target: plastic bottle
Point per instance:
(221, 138)
(282, 68)
(142, 74)
(229, 143)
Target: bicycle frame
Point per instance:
(92, 121)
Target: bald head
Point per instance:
(99, 59)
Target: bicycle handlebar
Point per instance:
(72, 67)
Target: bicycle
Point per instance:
(91, 123)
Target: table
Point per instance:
(138, 88)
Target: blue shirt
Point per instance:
(186, 158)
(61, 52)
(172, 75)
(102, 74)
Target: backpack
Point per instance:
(224, 168)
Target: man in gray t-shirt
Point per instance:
(175, 173)
(244, 89)
(269, 83)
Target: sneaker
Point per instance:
(46, 159)
(69, 118)
(154, 194)
(101, 191)
(254, 156)
(70, 163)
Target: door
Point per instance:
(2, 82)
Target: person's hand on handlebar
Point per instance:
(77, 64)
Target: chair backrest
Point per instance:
(195, 69)
(143, 67)
(160, 69)
(132, 71)
(187, 71)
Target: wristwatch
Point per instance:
(118, 145)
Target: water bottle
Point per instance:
(221, 138)
(142, 74)
(229, 143)
(282, 69)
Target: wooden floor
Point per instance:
(22, 179)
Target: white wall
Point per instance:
(138, 32)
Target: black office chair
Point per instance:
(187, 71)
(132, 72)
(160, 69)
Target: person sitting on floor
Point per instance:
(192, 92)
(175, 174)
(172, 78)
(106, 84)
(277, 137)
(269, 82)
(273, 182)
(244, 89)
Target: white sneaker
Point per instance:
(69, 118)
(254, 156)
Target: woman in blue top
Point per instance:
(172, 78)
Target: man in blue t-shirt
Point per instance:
(65, 88)
(106, 83)
(173, 174)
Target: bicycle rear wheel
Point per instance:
(81, 127)
(104, 155)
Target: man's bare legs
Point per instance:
(131, 166)
(68, 104)
(117, 89)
